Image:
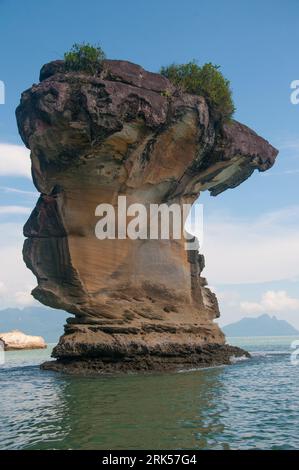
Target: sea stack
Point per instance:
(136, 304)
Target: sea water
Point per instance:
(251, 404)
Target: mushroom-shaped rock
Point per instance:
(137, 303)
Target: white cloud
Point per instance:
(230, 297)
(252, 250)
(2, 288)
(294, 171)
(12, 210)
(17, 280)
(14, 160)
(272, 301)
(289, 144)
(19, 191)
(24, 298)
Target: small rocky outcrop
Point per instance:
(16, 340)
(137, 304)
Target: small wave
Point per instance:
(270, 353)
(235, 359)
(196, 369)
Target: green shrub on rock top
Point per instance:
(206, 81)
(84, 58)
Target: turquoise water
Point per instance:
(251, 404)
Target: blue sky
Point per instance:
(252, 231)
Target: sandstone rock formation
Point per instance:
(137, 304)
(16, 340)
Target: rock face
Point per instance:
(137, 304)
(16, 340)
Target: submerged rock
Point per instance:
(136, 303)
(16, 340)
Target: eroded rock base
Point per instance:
(186, 358)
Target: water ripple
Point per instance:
(252, 404)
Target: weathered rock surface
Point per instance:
(198, 357)
(16, 340)
(125, 132)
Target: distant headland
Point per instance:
(263, 325)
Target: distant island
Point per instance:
(263, 325)
(17, 340)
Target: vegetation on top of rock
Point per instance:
(207, 81)
(84, 57)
